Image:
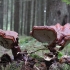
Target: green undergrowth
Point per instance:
(24, 39)
(31, 44)
(36, 57)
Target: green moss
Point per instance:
(36, 57)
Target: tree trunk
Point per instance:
(68, 7)
(1, 14)
(33, 13)
(7, 14)
(28, 17)
(36, 12)
(45, 11)
(16, 16)
(42, 13)
(25, 16)
(11, 14)
(21, 17)
(56, 11)
(4, 21)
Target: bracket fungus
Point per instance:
(53, 35)
(7, 38)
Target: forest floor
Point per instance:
(31, 44)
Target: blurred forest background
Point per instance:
(22, 15)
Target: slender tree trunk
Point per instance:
(42, 13)
(7, 14)
(21, 17)
(37, 12)
(68, 7)
(4, 15)
(45, 7)
(25, 20)
(11, 14)
(16, 16)
(28, 17)
(24, 17)
(1, 14)
(33, 12)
